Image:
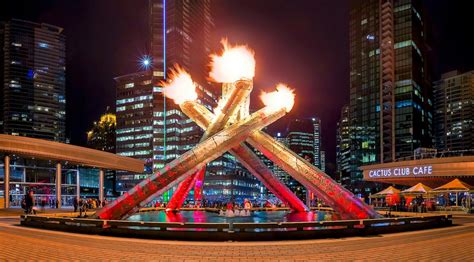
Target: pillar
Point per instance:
(6, 181)
(58, 185)
(101, 186)
(78, 185)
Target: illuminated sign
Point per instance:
(401, 171)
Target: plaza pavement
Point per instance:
(445, 244)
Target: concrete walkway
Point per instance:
(445, 244)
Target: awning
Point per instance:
(455, 185)
(387, 191)
(417, 189)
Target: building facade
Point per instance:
(454, 111)
(150, 126)
(277, 171)
(134, 116)
(32, 73)
(102, 137)
(304, 138)
(343, 148)
(390, 90)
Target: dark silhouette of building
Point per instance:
(32, 73)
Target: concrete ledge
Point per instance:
(237, 231)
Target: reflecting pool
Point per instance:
(255, 217)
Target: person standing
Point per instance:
(75, 203)
(30, 202)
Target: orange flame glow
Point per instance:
(218, 108)
(284, 97)
(180, 86)
(235, 63)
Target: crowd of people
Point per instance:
(224, 204)
(29, 204)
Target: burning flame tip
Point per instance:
(283, 97)
(235, 62)
(179, 86)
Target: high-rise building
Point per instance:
(454, 111)
(102, 134)
(135, 123)
(323, 161)
(390, 90)
(304, 138)
(180, 33)
(32, 73)
(343, 148)
(102, 137)
(277, 171)
(150, 126)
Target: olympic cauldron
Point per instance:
(228, 129)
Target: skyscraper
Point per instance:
(454, 111)
(343, 148)
(102, 134)
(32, 74)
(280, 173)
(150, 126)
(390, 90)
(135, 119)
(180, 33)
(102, 137)
(304, 138)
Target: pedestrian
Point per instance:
(30, 203)
(43, 204)
(75, 204)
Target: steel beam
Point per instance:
(190, 162)
(336, 196)
(333, 194)
(203, 117)
(238, 95)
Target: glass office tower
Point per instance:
(32, 73)
(390, 91)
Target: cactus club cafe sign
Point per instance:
(401, 171)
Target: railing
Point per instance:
(437, 154)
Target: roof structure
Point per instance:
(49, 150)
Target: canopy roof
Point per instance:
(387, 191)
(455, 185)
(417, 189)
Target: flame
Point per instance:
(180, 86)
(235, 63)
(218, 108)
(284, 97)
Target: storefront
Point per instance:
(56, 173)
(432, 172)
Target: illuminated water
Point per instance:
(210, 217)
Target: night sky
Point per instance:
(302, 43)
